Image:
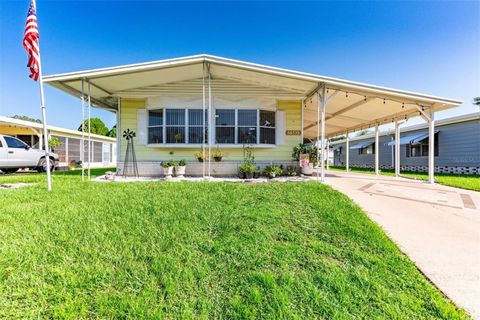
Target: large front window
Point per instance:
(247, 126)
(175, 126)
(232, 126)
(225, 126)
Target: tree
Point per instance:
(98, 127)
(476, 101)
(26, 118)
(113, 132)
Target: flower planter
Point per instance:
(248, 175)
(167, 172)
(256, 175)
(200, 159)
(308, 170)
(217, 159)
(180, 171)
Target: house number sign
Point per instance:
(293, 132)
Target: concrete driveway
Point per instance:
(438, 227)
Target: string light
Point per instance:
(346, 94)
(403, 105)
(365, 98)
(383, 101)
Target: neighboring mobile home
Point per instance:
(103, 149)
(457, 147)
(181, 106)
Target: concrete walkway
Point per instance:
(438, 227)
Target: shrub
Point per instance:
(273, 171)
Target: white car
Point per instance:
(15, 154)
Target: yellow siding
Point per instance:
(12, 130)
(128, 119)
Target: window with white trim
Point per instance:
(195, 126)
(247, 126)
(175, 126)
(267, 127)
(232, 126)
(155, 126)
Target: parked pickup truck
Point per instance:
(15, 154)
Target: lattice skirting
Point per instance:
(195, 168)
(438, 169)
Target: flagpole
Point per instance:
(44, 116)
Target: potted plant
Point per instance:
(272, 171)
(200, 155)
(291, 171)
(247, 169)
(167, 168)
(306, 154)
(180, 168)
(217, 155)
(257, 173)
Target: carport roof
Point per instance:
(353, 105)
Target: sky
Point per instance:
(428, 47)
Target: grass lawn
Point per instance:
(201, 250)
(470, 182)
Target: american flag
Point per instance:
(30, 41)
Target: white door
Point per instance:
(19, 154)
(3, 153)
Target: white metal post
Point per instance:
(322, 143)
(82, 147)
(209, 122)
(89, 130)
(431, 147)
(328, 154)
(44, 115)
(377, 135)
(347, 153)
(119, 131)
(318, 131)
(397, 149)
(204, 124)
(301, 121)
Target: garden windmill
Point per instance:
(130, 164)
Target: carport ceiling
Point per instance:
(352, 105)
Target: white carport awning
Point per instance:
(351, 105)
(414, 138)
(361, 145)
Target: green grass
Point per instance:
(201, 250)
(464, 181)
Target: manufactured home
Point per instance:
(103, 149)
(456, 149)
(178, 107)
